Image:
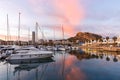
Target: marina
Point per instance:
(59, 40)
(73, 65)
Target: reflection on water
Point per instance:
(113, 56)
(73, 65)
(37, 69)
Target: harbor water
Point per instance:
(70, 65)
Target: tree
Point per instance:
(107, 38)
(101, 40)
(114, 38)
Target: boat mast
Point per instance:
(36, 32)
(7, 30)
(42, 33)
(63, 33)
(54, 37)
(19, 30)
(28, 35)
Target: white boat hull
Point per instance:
(61, 49)
(30, 53)
(29, 56)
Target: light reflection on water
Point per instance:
(73, 65)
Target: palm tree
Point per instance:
(114, 38)
(101, 40)
(107, 38)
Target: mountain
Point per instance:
(85, 36)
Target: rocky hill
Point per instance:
(85, 36)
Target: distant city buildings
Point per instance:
(104, 41)
(118, 41)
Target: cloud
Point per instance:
(13, 37)
(66, 12)
(102, 15)
(71, 10)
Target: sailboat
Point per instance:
(30, 52)
(60, 47)
(6, 51)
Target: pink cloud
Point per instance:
(68, 12)
(13, 37)
(71, 9)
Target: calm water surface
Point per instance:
(74, 65)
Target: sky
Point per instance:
(96, 16)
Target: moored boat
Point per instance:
(59, 48)
(30, 53)
(5, 52)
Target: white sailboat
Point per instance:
(5, 50)
(26, 53)
(59, 48)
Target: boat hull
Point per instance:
(27, 61)
(29, 56)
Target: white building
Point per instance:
(118, 41)
(110, 41)
(104, 41)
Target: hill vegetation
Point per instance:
(85, 36)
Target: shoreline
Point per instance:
(103, 48)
